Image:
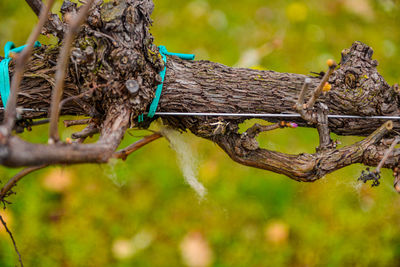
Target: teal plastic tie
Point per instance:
(141, 118)
(164, 53)
(4, 69)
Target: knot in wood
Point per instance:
(249, 143)
(351, 79)
(132, 86)
(127, 61)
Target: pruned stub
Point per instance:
(358, 87)
(113, 47)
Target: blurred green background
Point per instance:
(142, 213)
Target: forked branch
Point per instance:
(118, 54)
(306, 167)
(19, 153)
(317, 116)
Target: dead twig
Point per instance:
(124, 153)
(13, 181)
(75, 97)
(375, 175)
(387, 154)
(300, 102)
(69, 123)
(256, 129)
(10, 112)
(61, 71)
(13, 240)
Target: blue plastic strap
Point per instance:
(141, 118)
(164, 53)
(4, 71)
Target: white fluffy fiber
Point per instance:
(186, 159)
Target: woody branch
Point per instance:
(199, 86)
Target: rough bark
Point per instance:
(358, 89)
(114, 48)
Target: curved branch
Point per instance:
(19, 153)
(14, 180)
(303, 167)
(115, 48)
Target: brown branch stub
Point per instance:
(325, 141)
(258, 128)
(90, 130)
(69, 123)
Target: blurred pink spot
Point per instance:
(277, 232)
(195, 250)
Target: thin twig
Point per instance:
(317, 92)
(62, 103)
(258, 128)
(10, 113)
(69, 123)
(387, 154)
(12, 239)
(300, 101)
(124, 153)
(40, 122)
(13, 181)
(61, 71)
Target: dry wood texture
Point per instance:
(114, 49)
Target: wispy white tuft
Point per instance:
(111, 172)
(186, 159)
